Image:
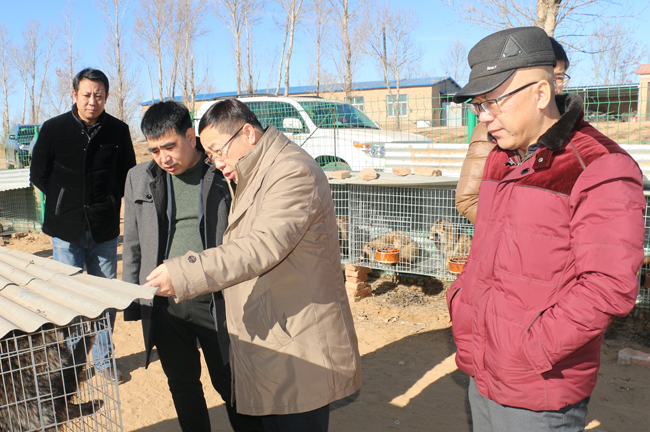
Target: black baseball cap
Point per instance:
(496, 57)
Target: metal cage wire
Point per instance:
(643, 299)
(422, 222)
(367, 214)
(48, 382)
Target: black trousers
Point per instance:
(310, 421)
(175, 336)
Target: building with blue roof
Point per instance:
(422, 102)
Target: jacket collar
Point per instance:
(252, 168)
(90, 130)
(571, 110)
(154, 170)
(260, 158)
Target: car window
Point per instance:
(274, 113)
(330, 115)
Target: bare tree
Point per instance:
(6, 76)
(251, 20)
(284, 26)
(22, 67)
(389, 42)
(26, 65)
(69, 56)
(189, 14)
(318, 31)
(576, 18)
(294, 12)
(57, 94)
(349, 34)
(234, 15)
(32, 62)
(615, 55)
(32, 54)
(51, 35)
(454, 64)
(152, 24)
(122, 100)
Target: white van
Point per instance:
(336, 134)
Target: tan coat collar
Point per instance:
(251, 168)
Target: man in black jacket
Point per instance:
(80, 162)
(173, 204)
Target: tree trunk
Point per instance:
(547, 12)
(52, 40)
(22, 119)
(348, 52)
(284, 46)
(292, 29)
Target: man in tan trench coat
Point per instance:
(293, 347)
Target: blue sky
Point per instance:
(439, 27)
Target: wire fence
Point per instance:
(48, 381)
(20, 202)
(414, 230)
(380, 132)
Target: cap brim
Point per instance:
(483, 85)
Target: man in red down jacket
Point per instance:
(558, 242)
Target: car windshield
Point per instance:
(331, 115)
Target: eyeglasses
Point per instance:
(491, 106)
(562, 79)
(218, 154)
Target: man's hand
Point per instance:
(159, 277)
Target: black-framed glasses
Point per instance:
(491, 106)
(562, 78)
(218, 154)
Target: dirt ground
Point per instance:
(410, 381)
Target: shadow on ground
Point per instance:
(440, 406)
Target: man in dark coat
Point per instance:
(175, 204)
(79, 162)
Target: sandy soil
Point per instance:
(410, 381)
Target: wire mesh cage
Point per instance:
(643, 299)
(48, 382)
(341, 198)
(19, 210)
(413, 230)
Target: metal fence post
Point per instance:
(41, 194)
(471, 124)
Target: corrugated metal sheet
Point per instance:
(14, 179)
(449, 157)
(35, 291)
(643, 69)
(294, 90)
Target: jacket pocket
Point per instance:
(147, 199)
(59, 202)
(277, 327)
(504, 350)
(450, 299)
